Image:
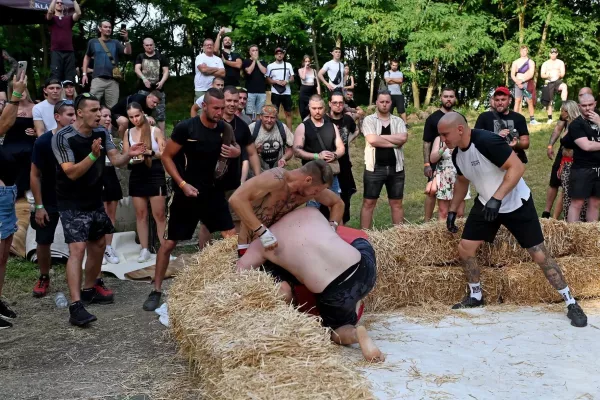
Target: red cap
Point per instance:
(502, 90)
(279, 50)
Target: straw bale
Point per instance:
(526, 283)
(585, 238)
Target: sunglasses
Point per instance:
(241, 89)
(82, 96)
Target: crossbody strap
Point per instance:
(112, 60)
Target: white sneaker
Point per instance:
(104, 262)
(549, 122)
(111, 256)
(144, 256)
(533, 122)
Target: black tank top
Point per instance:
(311, 141)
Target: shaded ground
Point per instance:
(125, 354)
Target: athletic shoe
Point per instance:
(468, 302)
(41, 286)
(94, 297)
(153, 301)
(546, 214)
(79, 315)
(576, 315)
(6, 312)
(533, 122)
(111, 256)
(103, 292)
(5, 324)
(549, 122)
(144, 256)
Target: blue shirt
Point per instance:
(102, 65)
(44, 160)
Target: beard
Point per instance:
(448, 106)
(227, 46)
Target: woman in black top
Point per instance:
(349, 84)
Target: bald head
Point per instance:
(585, 98)
(452, 119)
(454, 130)
(585, 90)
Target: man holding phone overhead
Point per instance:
(231, 60)
(62, 53)
(105, 52)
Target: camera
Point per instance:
(512, 135)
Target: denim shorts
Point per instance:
(256, 101)
(8, 215)
(374, 181)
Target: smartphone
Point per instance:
(123, 27)
(21, 66)
(227, 30)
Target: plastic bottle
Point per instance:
(61, 300)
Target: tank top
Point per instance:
(309, 78)
(312, 143)
(152, 139)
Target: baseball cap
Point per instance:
(52, 81)
(553, 50)
(68, 82)
(279, 50)
(502, 90)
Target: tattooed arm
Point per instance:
(298, 146)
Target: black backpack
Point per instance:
(257, 125)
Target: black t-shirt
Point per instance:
(511, 121)
(44, 160)
(243, 137)
(84, 193)
(583, 128)
(152, 69)
(346, 127)
(385, 157)
(351, 104)
(121, 107)
(311, 141)
(201, 147)
(256, 81)
(232, 74)
(430, 130)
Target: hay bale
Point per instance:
(585, 238)
(526, 284)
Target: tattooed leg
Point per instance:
(549, 266)
(467, 250)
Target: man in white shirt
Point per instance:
(335, 71)
(43, 113)
(279, 75)
(208, 66)
(217, 83)
(393, 79)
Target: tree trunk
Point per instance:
(373, 52)
(521, 10)
(432, 81)
(542, 43)
(313, 35)
(44, 46)
(338, 41)
(415, 85)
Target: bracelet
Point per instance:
(39, 206)
(182, 184)
(17, 94)
(92, 157)
(258, 229)
(550, 146)
(14, 103)
(316, 156)
(334, 223)
(441, 151)
(427, 164)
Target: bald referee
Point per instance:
(488, 162)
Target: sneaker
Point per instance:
(94, 297)
(468, 302)
(103, 292)
(104, 262)
(576, 315)
(549, 122)
(111, 256)
(5, 324)
(79, 315)
(144, 256)
(533, 122)
(546, 214)
(6, 312)
(153, 301)
(41, 286)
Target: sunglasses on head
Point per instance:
(82, 96)
(241, 89)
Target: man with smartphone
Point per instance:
(62, 53)
(105, 52)
(232, 61)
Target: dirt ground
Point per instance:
(126, 354)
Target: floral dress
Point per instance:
(445, 174)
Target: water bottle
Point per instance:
(61, 300)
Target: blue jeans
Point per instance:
(335, 188)
(256, 102)
(8, 215)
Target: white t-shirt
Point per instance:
(331, 68)
(394, 88)
(44, 111)
(204, 82)
(199, 101)
(276, 71)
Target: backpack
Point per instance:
(257, 125)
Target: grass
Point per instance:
(22, 274)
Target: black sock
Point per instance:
(550, 116)
(531, 118)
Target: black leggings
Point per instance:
(305, 93)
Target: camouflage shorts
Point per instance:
(83, 226)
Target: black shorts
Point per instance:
(184, 213)
(554, 178)
(337, 303)
(398, 103)
(374, 181)
(45, 234)
(584, 183)
(523, 223)
(111, 190)
(83, 226)
(282, 99)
